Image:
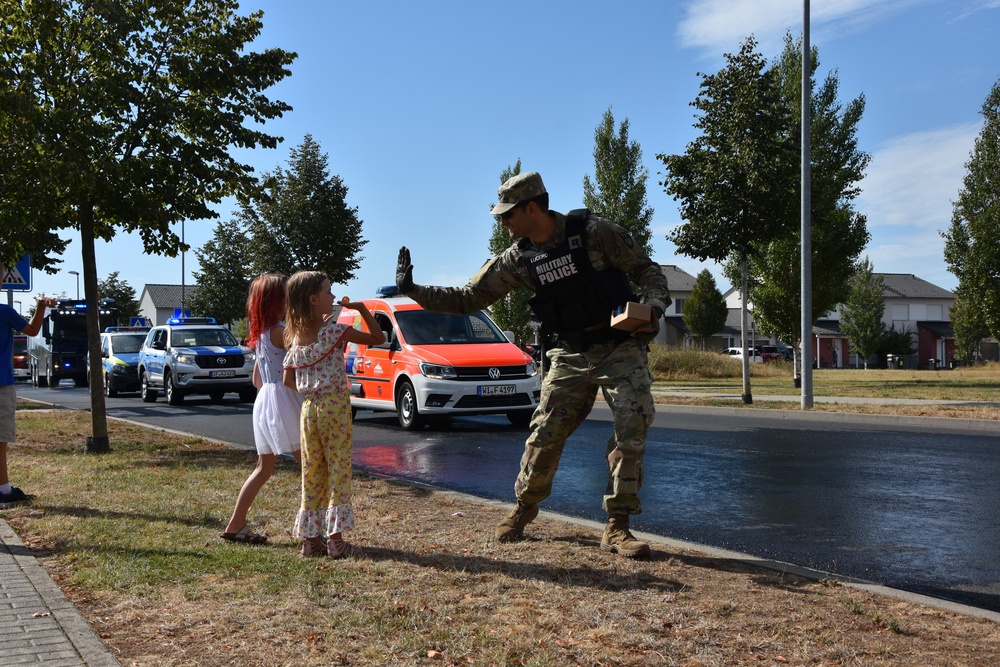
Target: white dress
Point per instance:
(277, 408)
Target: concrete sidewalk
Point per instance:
(702, 392)
(38, 625)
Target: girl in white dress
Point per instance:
(276, 409)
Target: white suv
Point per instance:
(194, 355)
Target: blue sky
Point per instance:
(420, 106)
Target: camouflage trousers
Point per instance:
(569, 389)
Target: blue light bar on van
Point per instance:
(191, 320)
(388, 290)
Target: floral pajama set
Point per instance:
(325, 434)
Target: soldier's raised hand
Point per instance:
(404, 271)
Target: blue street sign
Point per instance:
(18, 277)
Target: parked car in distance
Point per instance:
(771, 353)
(22, 370)
(737, 353)
(120, 358)
(194, 355)
(435, 365)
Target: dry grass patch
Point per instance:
(132, 537)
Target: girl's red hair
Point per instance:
(265, 305)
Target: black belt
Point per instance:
(581, 341)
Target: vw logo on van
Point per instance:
(494, 373)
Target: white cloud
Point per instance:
(720, 26)
(912, 180)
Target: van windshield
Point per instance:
(421, 327)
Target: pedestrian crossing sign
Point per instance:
(18, 277)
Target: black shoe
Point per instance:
(14, 498)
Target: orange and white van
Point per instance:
(434, 364)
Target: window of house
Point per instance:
(679, 306)
(901, 311)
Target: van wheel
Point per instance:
(148, 393)
(406, 408)
(354, 412)
(248, 394)
(174, 395)
(520, 418)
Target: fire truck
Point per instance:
(60, 348)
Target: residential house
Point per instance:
(681, 284)
(161, 302)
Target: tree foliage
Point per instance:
(733, 182)
(838, 233)
(118, 115)
(618, 191)
(303, 222)
(970, 327)
(511, 313)
(118, 289)
(861, 314)
(223, 279)
(971, 249)
(705, 310)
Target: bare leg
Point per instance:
(255, 482)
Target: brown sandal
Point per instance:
(312, 546)
(342, 549)
(245, 535)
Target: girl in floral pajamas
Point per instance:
(314, 365)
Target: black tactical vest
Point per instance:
(571, 296)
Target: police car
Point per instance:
(120, 358)
(194, 355)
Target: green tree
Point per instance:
(115, 288)
(511, 313)
(223, 281)
(734, 181)
(970, 327)
(972, 251)
(861, 314)
(838, 233)
(115, 116)
(303, 221)
(705, 310)
(618, 191)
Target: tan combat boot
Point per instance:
(512, 527)
(618, 538)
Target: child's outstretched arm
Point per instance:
(352, 335)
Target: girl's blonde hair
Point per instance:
(300, 317)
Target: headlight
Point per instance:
(439, 372)
(186, 359)
(531, 369)
(248, 357)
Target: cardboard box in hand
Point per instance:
(633, 317)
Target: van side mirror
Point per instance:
(509, 335)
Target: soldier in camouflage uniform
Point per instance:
(579, 266)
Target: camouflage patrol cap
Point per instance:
(518, 189)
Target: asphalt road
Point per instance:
(910, 504)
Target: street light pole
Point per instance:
(18, 306)
(77, 274)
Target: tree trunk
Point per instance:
(747, 395)
(98, 443)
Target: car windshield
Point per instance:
(127, 344)
(422, 327)
(203, 338)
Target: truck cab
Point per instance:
(438, 365)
